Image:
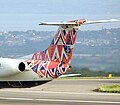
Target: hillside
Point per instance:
(93, 49)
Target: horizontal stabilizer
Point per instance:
(78, 22)
(69, 75)
(101, 21)
(73, 22)
(57, 23)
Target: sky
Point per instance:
(21, 15)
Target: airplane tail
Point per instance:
(55, 60)
(61, 47)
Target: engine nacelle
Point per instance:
(10, 67)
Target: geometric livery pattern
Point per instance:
(55, 60)
(48, 69)
(61, 47)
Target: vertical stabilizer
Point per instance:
(61, 47)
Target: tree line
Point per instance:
(87, 72)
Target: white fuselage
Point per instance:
(10, 71)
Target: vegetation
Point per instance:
(86, 72)
(109, 89)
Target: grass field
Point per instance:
(109, 89)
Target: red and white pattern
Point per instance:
(55, 60)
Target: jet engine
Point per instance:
(10, 67)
